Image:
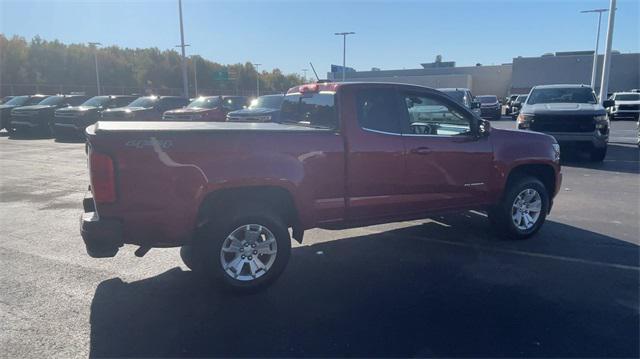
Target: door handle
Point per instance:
(421, 150)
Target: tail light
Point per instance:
(103, 181)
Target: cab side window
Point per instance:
(429, 115)
(378, 110)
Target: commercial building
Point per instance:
(517, 77)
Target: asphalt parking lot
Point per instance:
(446, 286)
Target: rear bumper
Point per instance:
(102, 237)
(491, 111)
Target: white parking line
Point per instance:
(522, 253)
(531, 254)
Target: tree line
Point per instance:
(52, 65)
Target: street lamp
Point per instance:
(595, 53)
(344, 50)
(95, 57)
(606, 64)
(195, 74)
(257, 79)
(185, 80)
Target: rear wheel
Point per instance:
(247, 251)
(598, 154)
(523, 208)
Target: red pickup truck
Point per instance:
(340, 156)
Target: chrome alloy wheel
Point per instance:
(248, 252)
(526, 209)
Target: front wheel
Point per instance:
(523, 208)
(246, 252)
(598, 154)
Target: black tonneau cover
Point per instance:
(169, 126)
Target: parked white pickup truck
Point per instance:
(627, 105)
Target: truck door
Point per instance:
(447, 165)
(375, 151)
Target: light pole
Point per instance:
(304, 71)
(195, 74)
(595, 53)
(95, 57)
(257, 79)
(606, 64)
(185, 80)
(344, 50)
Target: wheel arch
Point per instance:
(279, 199)
(544, 172)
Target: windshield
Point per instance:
(313, 110)
(17, 101)
(487, 99)
(144, 102)
(205, 102)
(624, 97)
(521, 98)
(562, 95)
(53, 100)
(96, 101)
(267, 102)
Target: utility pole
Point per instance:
(195, 74)
(257, 79)
(344, 51)
(606, 65)
(185, 80)
(594, 71)
(95, 57)
(304, 71)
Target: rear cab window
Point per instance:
(313, 109)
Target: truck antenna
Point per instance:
(314, 71)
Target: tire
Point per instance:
(255, 228)
(503, 215)
(598, 154)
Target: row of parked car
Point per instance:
(63, 115)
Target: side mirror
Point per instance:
(475, 104)
(608, 103)
(484, 128)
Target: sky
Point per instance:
(290, 34)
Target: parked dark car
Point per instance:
(40, 117)
(17, 101)
(490, 107)
(516, 105)
(74, 120)
(463, 96)
(209, 108)
(571, 114)
(147, 108)
(263, 109)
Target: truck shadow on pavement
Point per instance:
(620, 158)
(448, 287)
